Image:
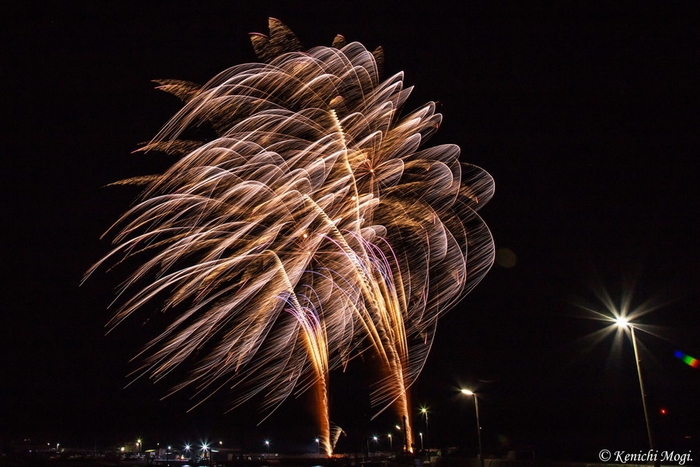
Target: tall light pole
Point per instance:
(398, 428)
(391, 442)
(623, 323)
(318, 446)
(424, 411)
(421, 441)
(478, 423)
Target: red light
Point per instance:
(662, 411)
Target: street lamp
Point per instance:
(139, 445)
(421, 441)
(424, 411)
(398, 428)
(478, 423)
(391, 442)
(623, 323)
(318, 446)
(267, 445)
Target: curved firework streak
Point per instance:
(311, 229)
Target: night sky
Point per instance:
(587, 115)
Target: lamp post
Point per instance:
(623, 323)
(421, 441)
(205, 452)
(478, 423)
(391, 442)
(424, 411)
(318, 446)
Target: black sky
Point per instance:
(585, 113)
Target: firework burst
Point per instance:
(314, 227)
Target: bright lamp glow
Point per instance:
(621, 322)
(467, 392)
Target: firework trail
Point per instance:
(311, 229)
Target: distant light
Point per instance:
(662, 411)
